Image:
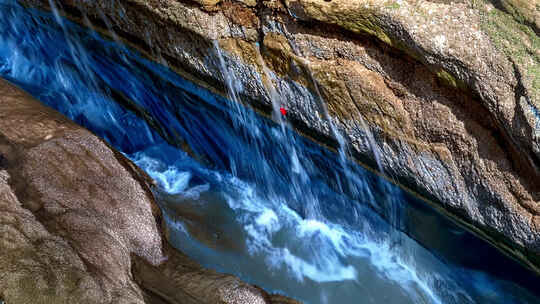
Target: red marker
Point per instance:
(283, 111)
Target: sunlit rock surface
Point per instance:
(78, 223)
(450, 89)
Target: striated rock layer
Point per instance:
(449, 88)
(78, 223)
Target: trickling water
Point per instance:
(269, 79)
(390, 206)
(372, 144)
(287, 143)
(341, 140)
(300, 176)
(234, 89)
(241, 202)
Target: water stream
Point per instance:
(245, 195)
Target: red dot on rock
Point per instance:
(283, 111)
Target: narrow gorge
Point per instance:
(321, 151)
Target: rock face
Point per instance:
(450, 89)
(78, 223)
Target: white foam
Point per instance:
(328, 271)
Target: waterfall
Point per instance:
(246, 122)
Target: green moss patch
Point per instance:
(518, 41)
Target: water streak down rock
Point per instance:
(450, 89)
(78, 222)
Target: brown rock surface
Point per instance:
(78, 223)
(450, 89)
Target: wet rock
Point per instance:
(450, 89)
(78, 222)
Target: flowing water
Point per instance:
(245, 195)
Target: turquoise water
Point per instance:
(253, 198)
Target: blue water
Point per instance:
(246, 196)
